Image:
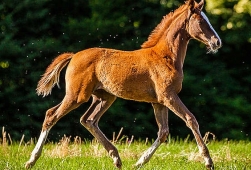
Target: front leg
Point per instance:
(174, 103)
(161, 116)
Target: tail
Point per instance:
(51, 76)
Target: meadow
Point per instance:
(75, 154)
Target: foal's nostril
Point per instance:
(216, 41)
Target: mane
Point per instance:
(162, 27)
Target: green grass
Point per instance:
(172, 155)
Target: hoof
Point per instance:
(117, 163)
(29, 165)
(210, 167)
(137, 166)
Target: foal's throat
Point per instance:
(176, 45)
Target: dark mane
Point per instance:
(162, 27)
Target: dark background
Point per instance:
(216, 87)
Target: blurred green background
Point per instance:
(216, 87)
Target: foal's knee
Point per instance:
(86, 123)
(83, 121)
(192, 123)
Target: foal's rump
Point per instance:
(121, 73)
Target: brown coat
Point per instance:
(152, 74)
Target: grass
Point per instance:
(75, 154)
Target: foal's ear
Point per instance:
(191, 4)
(200, 5)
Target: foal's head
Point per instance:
(199, 27)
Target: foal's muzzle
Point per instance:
(214, 44)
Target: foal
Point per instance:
(152, 74)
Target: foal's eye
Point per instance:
(199, 20)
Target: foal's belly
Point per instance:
(137, 91)
(145, 95)
(138, 88)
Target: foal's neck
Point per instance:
(174, 45)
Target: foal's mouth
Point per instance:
(212, 48)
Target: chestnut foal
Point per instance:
(152, 74)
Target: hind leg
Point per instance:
(101, 102)
(52, 116)
(41, 140)
(161, 115)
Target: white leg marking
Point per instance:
(37, 150)
(148, 154)
(206, 159)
